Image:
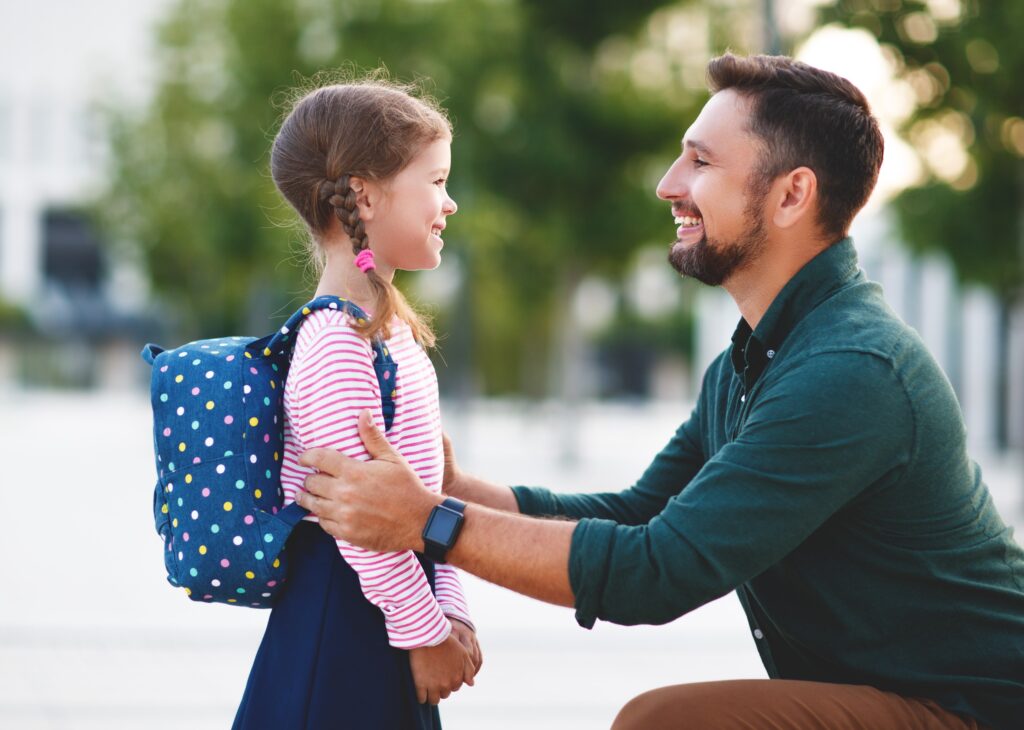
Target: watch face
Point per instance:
(442, 525)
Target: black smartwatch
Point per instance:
(442, 529)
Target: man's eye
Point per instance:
(698, 162)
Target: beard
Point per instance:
(711, 261)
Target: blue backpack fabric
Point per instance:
(218, 434)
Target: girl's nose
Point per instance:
(449, 207)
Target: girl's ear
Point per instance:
(369, 196)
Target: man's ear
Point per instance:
(797, 195)
(369, 196)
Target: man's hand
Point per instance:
(467, 637)
(450, 483)
(437, 671)
(468, 488)
(379, 505)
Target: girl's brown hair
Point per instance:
(370, 129)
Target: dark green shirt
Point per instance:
(823, 475)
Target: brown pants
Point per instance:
(780, 704)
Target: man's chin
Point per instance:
(686, 258)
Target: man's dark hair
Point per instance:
(807, 117)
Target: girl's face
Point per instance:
(405, 233)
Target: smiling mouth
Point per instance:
(689, 226)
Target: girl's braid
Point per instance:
(342, 198)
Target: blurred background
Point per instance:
(136, 205)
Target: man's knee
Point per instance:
(672, 708)
(654, 710)
(636, 713)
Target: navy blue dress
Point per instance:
(325, 661)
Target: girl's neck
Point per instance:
(342, 278)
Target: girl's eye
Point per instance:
(440, 181)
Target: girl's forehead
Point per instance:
(434, 154)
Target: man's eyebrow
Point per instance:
(701, 148)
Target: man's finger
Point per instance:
(449, 450)
(421, 694)
(376, 445)
(328, 461)
(317, 485)
(331, 527)
(306, 500)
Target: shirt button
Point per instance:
(743, 398)
(758, 634)
(771, 354)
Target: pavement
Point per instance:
(91, 635)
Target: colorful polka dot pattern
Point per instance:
(218, 434)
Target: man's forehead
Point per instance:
(722, 121)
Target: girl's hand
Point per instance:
(437, 671)
(467, 637)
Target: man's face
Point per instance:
(719, 213)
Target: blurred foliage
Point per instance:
(964, 61)
(554, 157)
(14, 320)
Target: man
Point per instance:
(822, 475)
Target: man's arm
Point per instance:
(469, 488)
(382, 505)
(806, 450)
(668, 474)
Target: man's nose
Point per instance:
(673, 183)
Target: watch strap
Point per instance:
(437, 549)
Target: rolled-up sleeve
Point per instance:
(815, 439)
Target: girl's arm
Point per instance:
(448, 589)
(335, 381)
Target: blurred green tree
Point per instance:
(964, 61)
(964, 65)
(552, 160)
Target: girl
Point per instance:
(359, 639)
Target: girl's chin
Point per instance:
(424, 263)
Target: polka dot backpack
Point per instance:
(218, 433)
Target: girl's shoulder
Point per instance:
(329, 326)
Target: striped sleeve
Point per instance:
(334, 381)
(448, 589)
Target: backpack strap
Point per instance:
(280, 345)
(150, 351)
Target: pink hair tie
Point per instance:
(365, 260)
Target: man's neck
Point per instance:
(756, 285)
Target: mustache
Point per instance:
(687, 210)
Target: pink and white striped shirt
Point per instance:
(330, 382)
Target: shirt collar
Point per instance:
(815, 282)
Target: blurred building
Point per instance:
(72, 309)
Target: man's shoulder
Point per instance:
(857, 321)
(857, 334)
